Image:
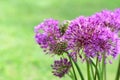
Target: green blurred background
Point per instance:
(20, 56)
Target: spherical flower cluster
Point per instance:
(108, 18)
(95, 40)
(61, 67)
(48, 36)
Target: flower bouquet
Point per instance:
(94, 40)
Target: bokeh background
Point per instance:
(20, 57)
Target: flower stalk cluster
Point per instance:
(94, 39)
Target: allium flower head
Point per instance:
(61, 67)
(48, 36)
(117, 18)
(94, 39)
(108, 18)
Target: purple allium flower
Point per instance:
(117, 18)
(94, 39)
(61, 67)
(48, 36)
(108, 18)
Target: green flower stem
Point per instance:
(92, 70)
(97, 71)
(103, 68)
(78, 69)
(105, 78)
(118, 71)
(99, 67)
(75, 77)
(88, 70)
